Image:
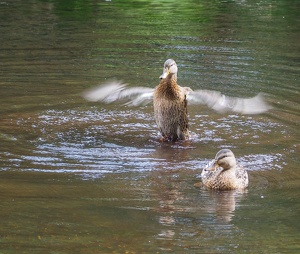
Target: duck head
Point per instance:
(170, 67)
(224, 158)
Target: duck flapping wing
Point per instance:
(134, 96)
(117, 91)
(222, 103)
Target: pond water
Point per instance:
(82, 177)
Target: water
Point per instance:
(81, 177)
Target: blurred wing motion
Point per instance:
(222, 103)
(117, 91)
(134, 96)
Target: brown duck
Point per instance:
(170, 101)
(224, 173)
(170, 104)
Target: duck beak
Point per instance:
(165, 74)
(211, 166)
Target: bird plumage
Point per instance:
(170, 109)
(170, 101)
(224, 173)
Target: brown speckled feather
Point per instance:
(170, 109)
(224, 173)
(220, 179)
(170, 101)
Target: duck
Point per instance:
(170, 105)
(224, 173)
(170, 101)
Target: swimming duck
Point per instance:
(224, 173)
(170, 101)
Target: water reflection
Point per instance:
(223, 204)
(104, 141)
(78, 178)
(173, 151)
(194, 219)
(176, 204)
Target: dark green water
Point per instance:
(81, 177)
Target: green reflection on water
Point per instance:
(63, 213)
(54, 195)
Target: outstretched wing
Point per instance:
(117, 91)
(222, 103)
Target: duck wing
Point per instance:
(117, 91)
(242, 175)
(222, 103)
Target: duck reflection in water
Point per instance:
(170, 101)
(223, 203)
